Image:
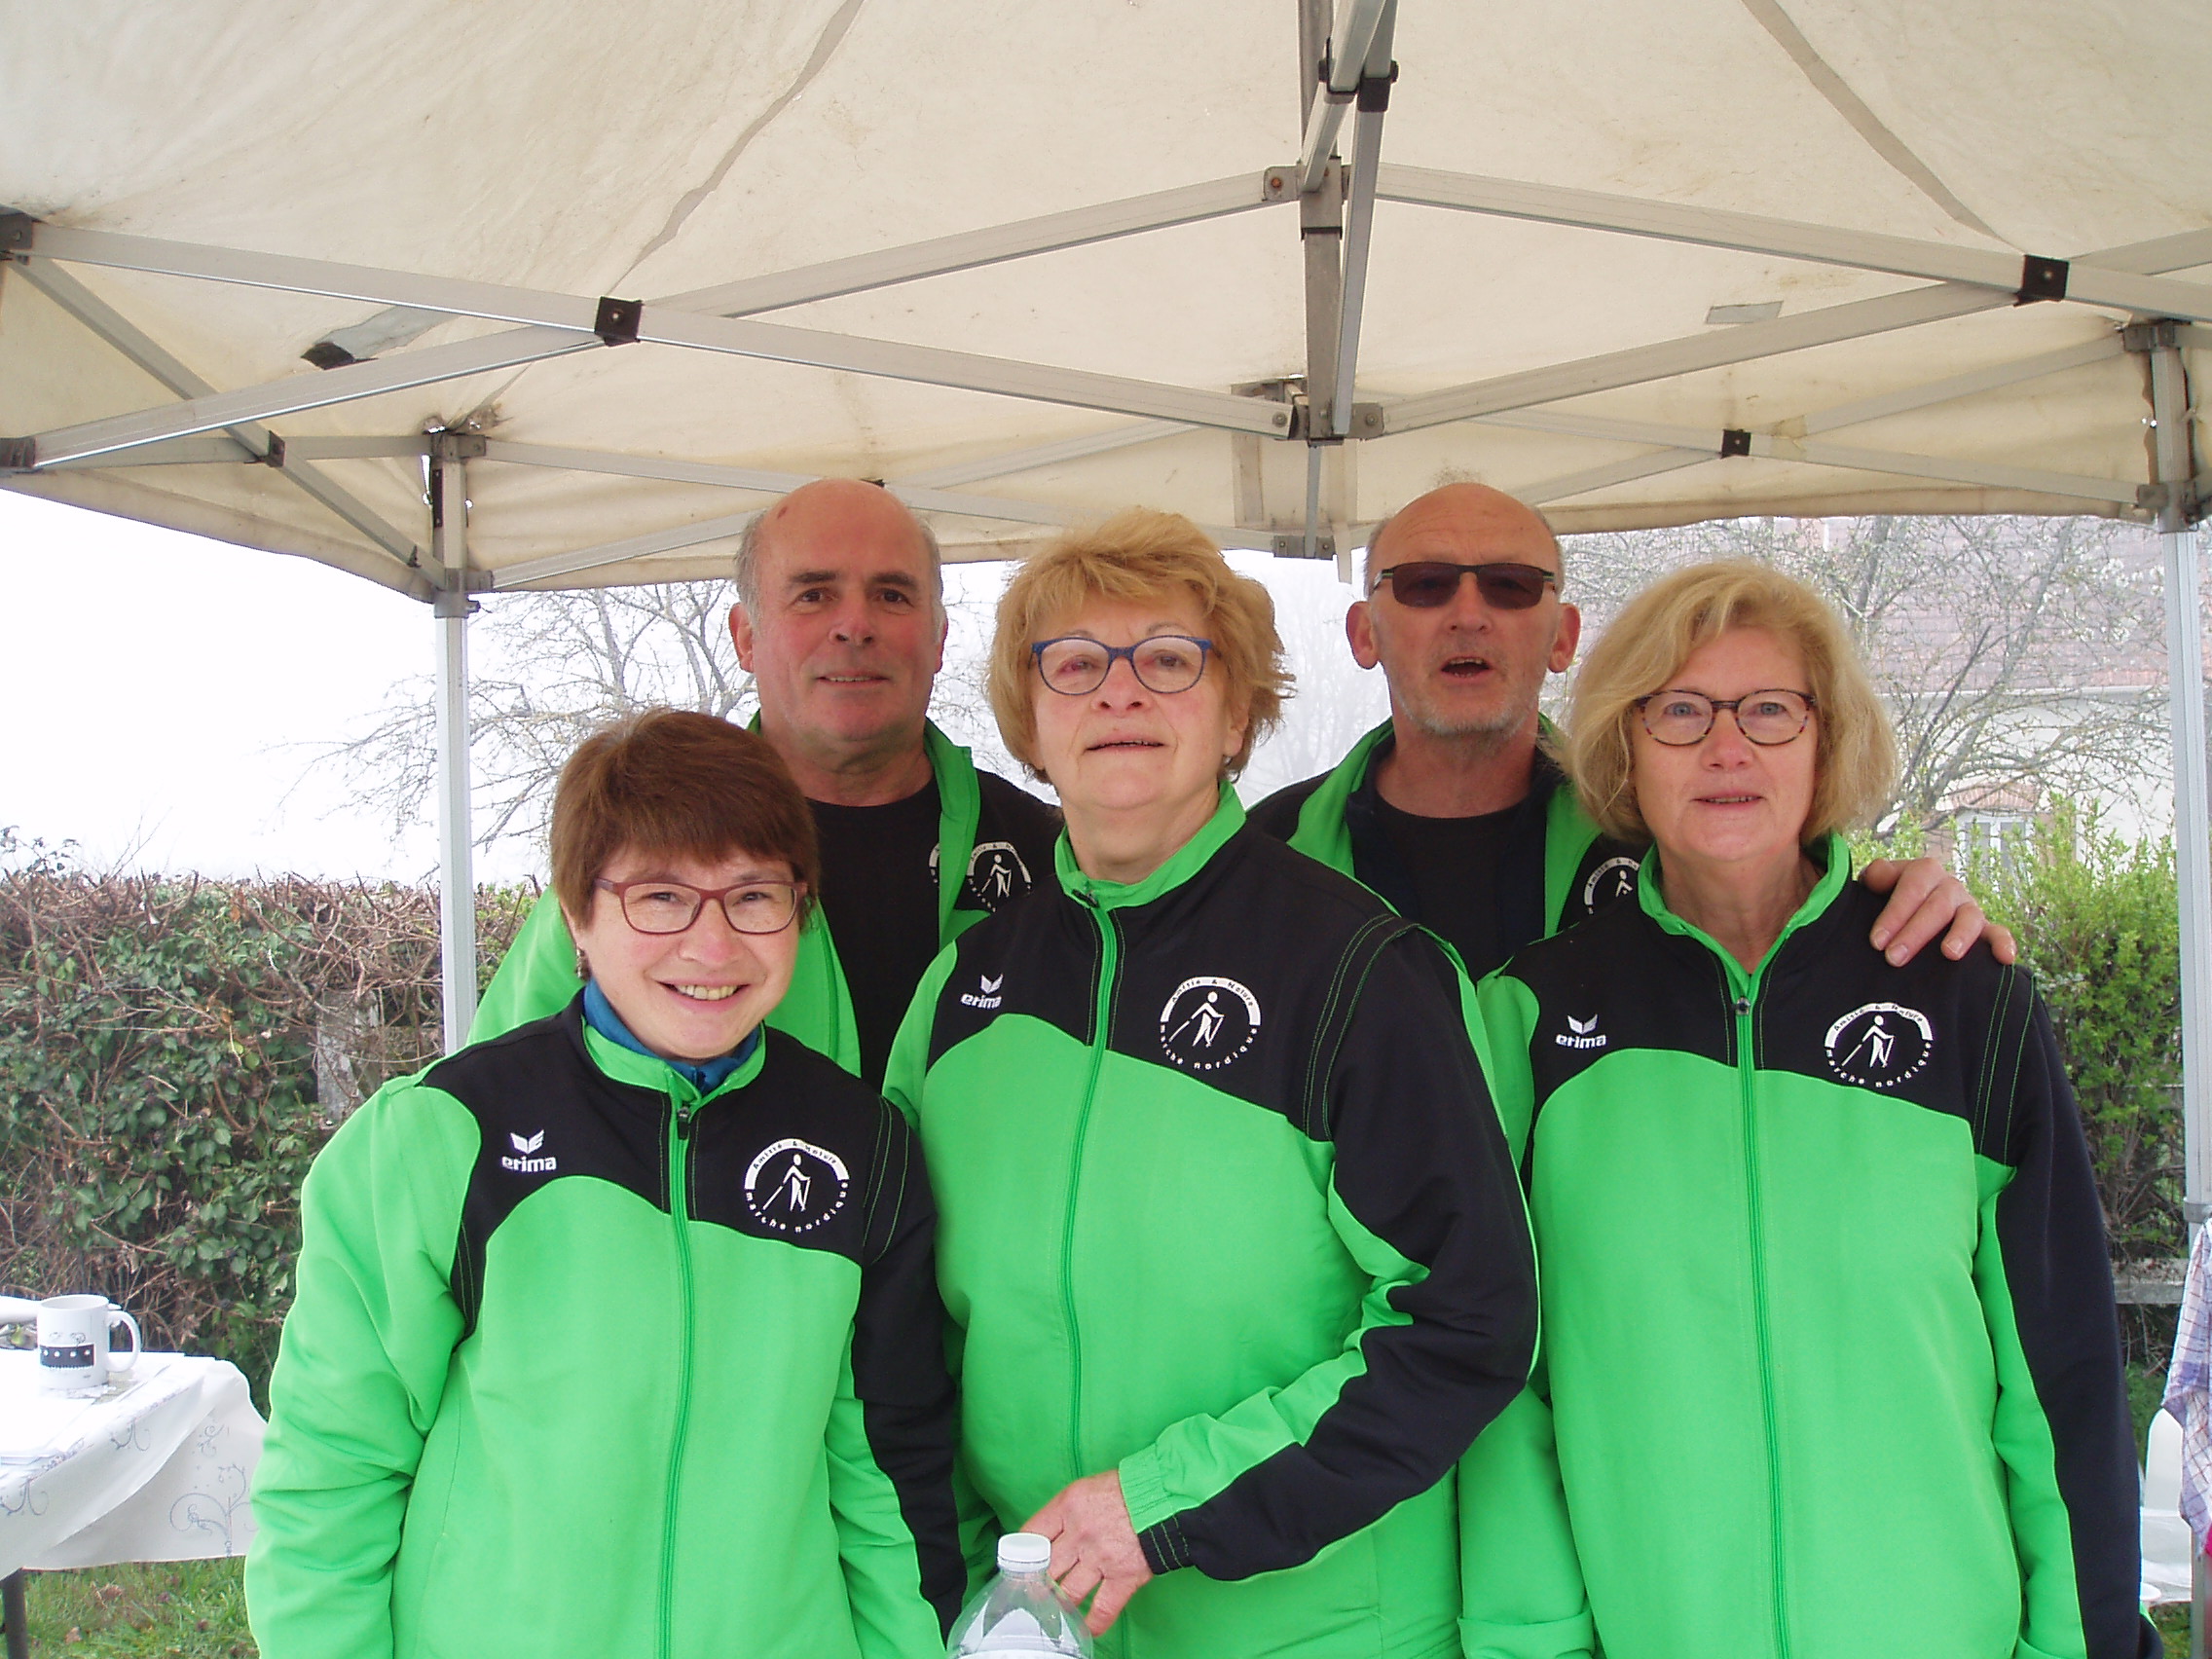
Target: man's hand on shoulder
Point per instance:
(1926, 900)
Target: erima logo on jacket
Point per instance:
(989, 994)
(1581, 1034)
(525, 1163)
(794, 1186)
(1207, 1023)
(1879, 1045)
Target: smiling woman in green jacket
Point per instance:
(618, 1334)
(1827, 1314)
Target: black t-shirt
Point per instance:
(1454, 864)
(879, 892)
(1476, 882)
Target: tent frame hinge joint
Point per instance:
(274, 455)
(457, 446)
(17, 233)
(618, 322)
(1310, 425)
(1735, 440)
(19, 455)
(1291, 544)
(2195, 494)
(2041, 278)
(1374, 93)
(2156, 334)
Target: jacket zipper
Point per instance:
(1109, 964)
(1747, 1089)
(679, 1215)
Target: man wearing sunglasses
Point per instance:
(840, 621)
(1451, 810)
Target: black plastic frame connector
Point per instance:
(2040, 280)
(618, 321)
(1735, 440)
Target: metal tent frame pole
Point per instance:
(2175, 485)
(457, 872)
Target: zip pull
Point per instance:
(1743, 1005)
(683, 1120)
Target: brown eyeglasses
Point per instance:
(1432, 583)
(670, 907)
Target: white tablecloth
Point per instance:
(154, 1468)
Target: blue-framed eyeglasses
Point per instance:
(1166, 663)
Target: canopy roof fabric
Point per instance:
(1030, 263)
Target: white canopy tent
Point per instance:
(471, 298)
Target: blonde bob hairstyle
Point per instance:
(1855, 761)
(1135, 556)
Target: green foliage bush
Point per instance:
(158, 1078)
(2096, 914)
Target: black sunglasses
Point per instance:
(1432, 583)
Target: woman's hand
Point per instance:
(1093, 1547)
(1926, 900)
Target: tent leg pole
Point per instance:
(2193, 827)
(456, 878)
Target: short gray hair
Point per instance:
(744, 563)
(1375, 541)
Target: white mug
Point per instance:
(73, 1337)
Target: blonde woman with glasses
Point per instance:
(1827, 1315)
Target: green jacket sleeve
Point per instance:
(536, 976)
(894, 1426)
(1520, 1586)
(1424, 1199)
(2061, 1428)
(359, 1375)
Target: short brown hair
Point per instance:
(1656, 633)
(674, 782)
(1137, 555)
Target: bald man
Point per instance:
(1451, 810)
(840, 621)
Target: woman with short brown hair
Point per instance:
(619, 1332)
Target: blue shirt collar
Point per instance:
(706, 1078)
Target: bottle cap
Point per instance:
(1024, 1552)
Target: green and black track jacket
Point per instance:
(585, 1364)
(1227, 1209)
(984, 830)
(1827, 1314)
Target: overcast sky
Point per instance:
(166, 696)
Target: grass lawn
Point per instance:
(185, 1609)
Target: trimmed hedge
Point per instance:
(160, 1080)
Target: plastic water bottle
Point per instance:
(1022, 1611)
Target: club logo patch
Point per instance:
(986, 993)
(796, 1186)
(1614, 879)
(1208, 1022)
(1880, 1045)
(996, 874)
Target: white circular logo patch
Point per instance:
(1208, 1022)
(996, 874)
(1880, 1045)
(796, 1186)
(1614, 879)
